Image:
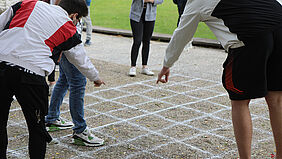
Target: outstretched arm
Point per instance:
(181, 36)
(6, 16)
(77, 56)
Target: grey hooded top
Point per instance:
(137, 9)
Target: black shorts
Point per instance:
(253, 70)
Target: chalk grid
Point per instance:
(187, 118)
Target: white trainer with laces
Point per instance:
(132, 72)
(86, 138)
(59, 124)
(147, 71)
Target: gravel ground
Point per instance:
(187, 118)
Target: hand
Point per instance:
(98, 83)
(57, 2)
(74, 18)
(148, 1)
(164, 72)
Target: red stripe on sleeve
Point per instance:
(61, 35)
(23, 14)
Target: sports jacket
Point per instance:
(197, 11)
(136, 10)
(244, 18)
(32, 33)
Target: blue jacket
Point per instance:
(88, 2)
(137, 9)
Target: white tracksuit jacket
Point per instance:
(197, 11)
(33, 32)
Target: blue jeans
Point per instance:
(88, 22)
(69, 78)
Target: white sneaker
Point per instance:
(132, 72)
(54, 142)
(59, 124)
(86, 138)
(147, 71)
(57, 68)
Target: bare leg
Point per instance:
(52, 83)
(242, 124)
(274, 101)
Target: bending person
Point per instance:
(29, 48)
(251, 70)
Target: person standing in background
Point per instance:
(142, 20)
(181, 6)
(88, 22)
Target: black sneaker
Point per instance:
(87, 43)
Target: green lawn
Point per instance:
(115, 14)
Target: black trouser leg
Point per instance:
(137, 31)
(31, 92)
(33, 98)
(6, 97)
(147, 35)
(4, 113)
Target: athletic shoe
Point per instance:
(54, 142)
(147, 71)
(59, 124)
(132, 72)
(57, 68)
(87, 43)
(86, 138)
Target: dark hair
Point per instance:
(75, 6)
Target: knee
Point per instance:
(146, 42)
(137, 42)
(239, 103)
(274, 99)
(79, 85)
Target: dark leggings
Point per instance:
(142, 32)
(181, 6)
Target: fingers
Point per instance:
(164, 72)
(102, 83)
(160, 79)
(98, 83)
(166, 78)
